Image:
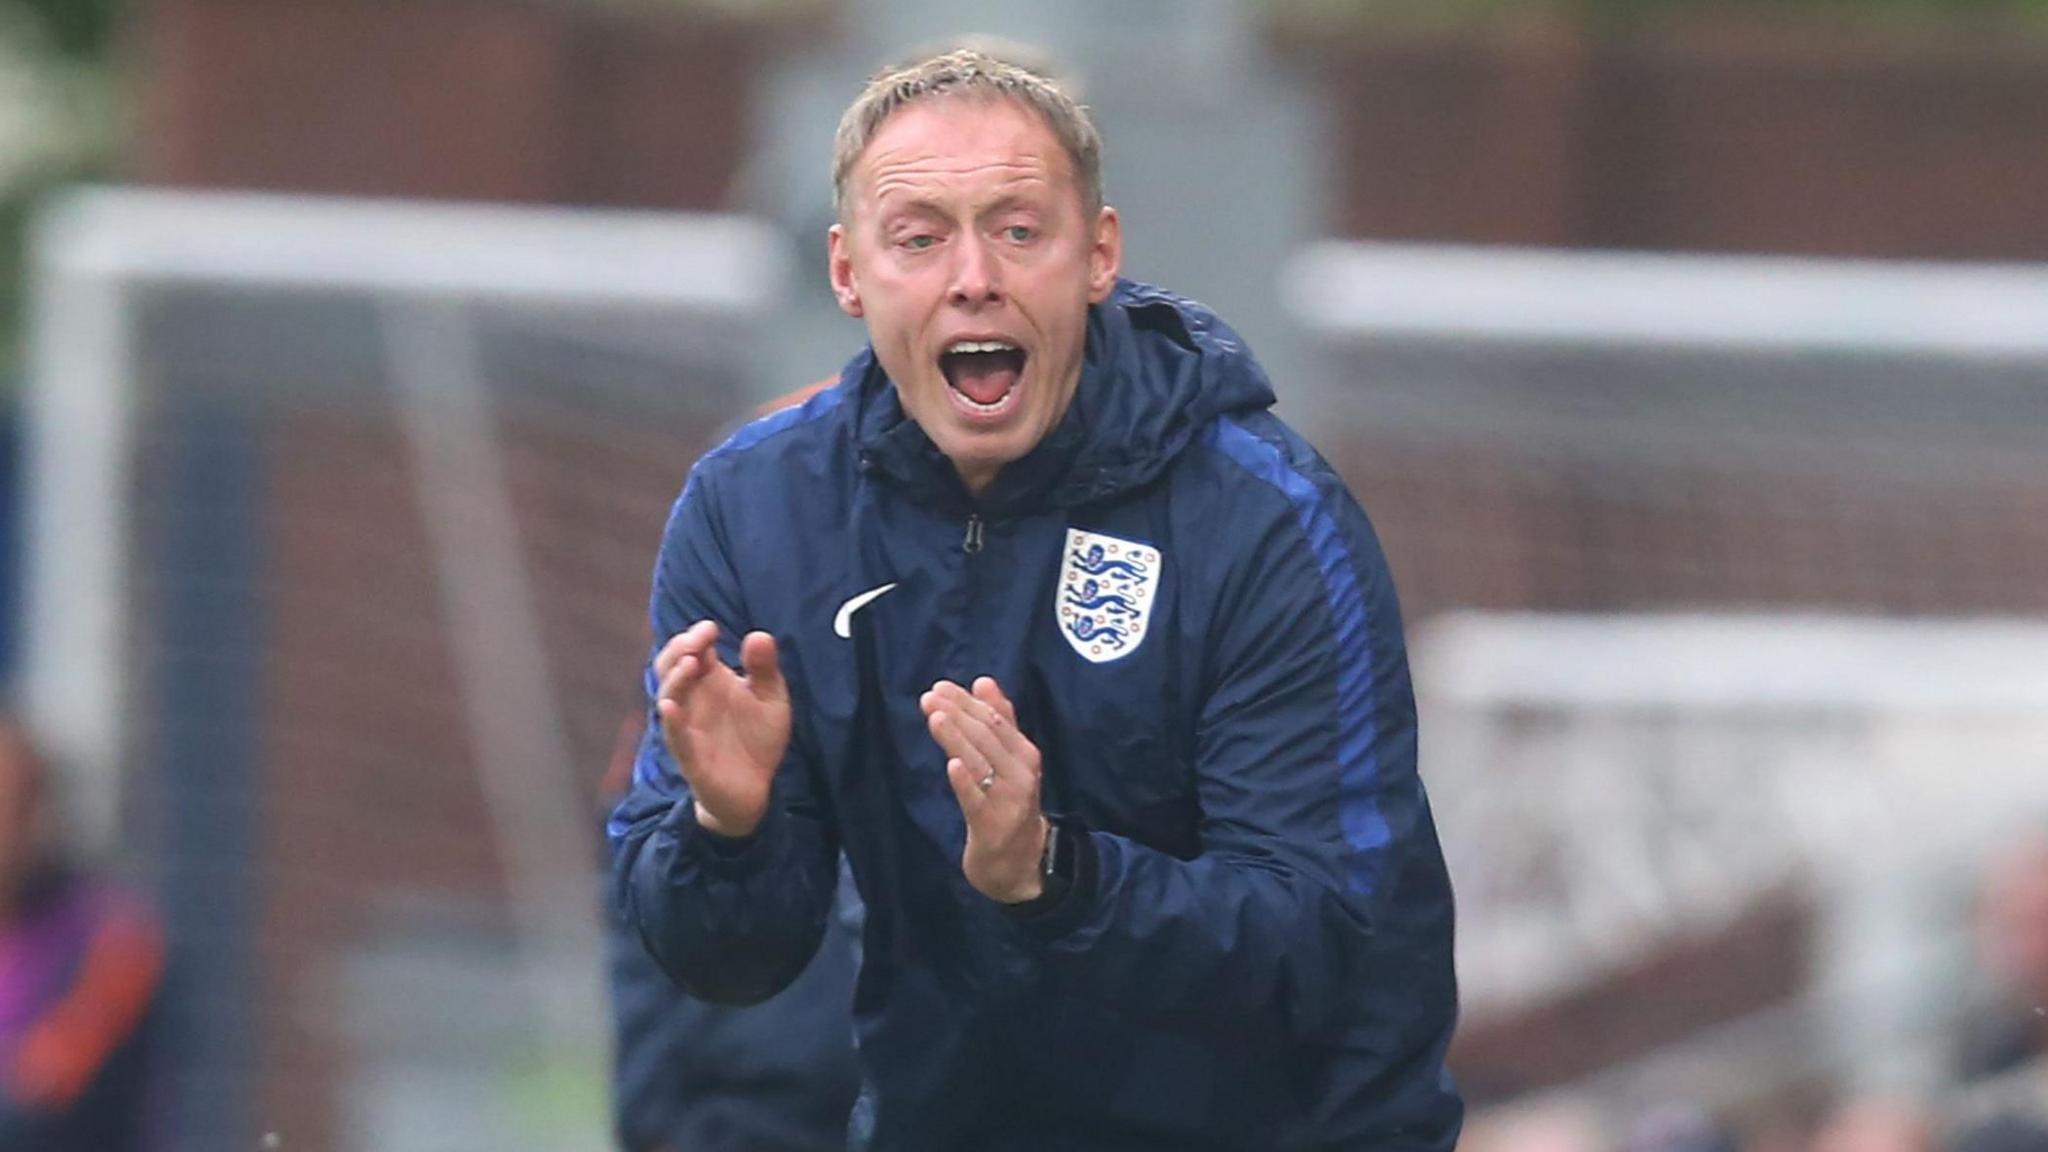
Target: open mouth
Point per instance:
(983, 374)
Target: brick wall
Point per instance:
(1749, 136)
(468, 99)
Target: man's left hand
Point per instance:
(994, 771)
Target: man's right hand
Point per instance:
(727, 731)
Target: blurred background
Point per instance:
(1691, 357)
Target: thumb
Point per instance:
(763, 665)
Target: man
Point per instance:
(80, 970)
(1172, 888)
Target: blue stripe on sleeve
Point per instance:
(755, 431)
(1365, 828)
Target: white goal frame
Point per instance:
(93, 248)
(90, 247)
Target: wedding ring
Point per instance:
(987, 782)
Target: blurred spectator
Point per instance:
(2013, 940)
(1679, 1127)
(81, 968)
(1875, 1125)
(694, 1077)
(2009, 1132)
(1780, 1129)
(1552, 1124)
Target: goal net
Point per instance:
(343, 515)
(1724, 581)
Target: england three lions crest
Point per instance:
(1104, 603)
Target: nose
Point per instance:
(977, 278)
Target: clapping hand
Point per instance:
(994, 771)
(727, 731)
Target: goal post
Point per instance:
(341, 519)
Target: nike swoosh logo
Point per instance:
(842, 624)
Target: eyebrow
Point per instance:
(918, 207)
(1008, 202)
(926, 207)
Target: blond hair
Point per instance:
(969, 71)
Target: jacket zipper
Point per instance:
(972, 543)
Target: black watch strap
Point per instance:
(1066, 864)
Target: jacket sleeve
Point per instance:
(1313, 825)
(732, 921)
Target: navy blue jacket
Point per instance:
(695, 1077)
(1260, 955)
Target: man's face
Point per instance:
(967, 250)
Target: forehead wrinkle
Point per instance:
(918, 190)
(996, 146)
(885, 174)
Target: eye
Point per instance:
(1020, 233)
(919, 242)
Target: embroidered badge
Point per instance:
(1105, 596)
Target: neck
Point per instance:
(977, 479)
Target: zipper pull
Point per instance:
(972, 543)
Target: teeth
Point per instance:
(981, 346)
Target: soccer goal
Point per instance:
(1725, 579)
(342, 520)
(1616, 786)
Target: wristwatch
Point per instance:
(1060, 868)
(1056, 866)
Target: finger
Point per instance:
(1003, 720)
(686, 671)
(976, 723)
(992, 706)
(676, 681)
(945, 729)
(985, 702)
(675, 722)
(671, 652)
(695, 639)
(699, 637)
(989, 692)
(936, 696)
(988, 708)
(940, 725)
(672, 699)
(763, 663)
(966, 790)
(1019, 749)
(953, 698)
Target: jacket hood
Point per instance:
(1157, 370)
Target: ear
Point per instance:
(839, 263)
(1105, 255)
